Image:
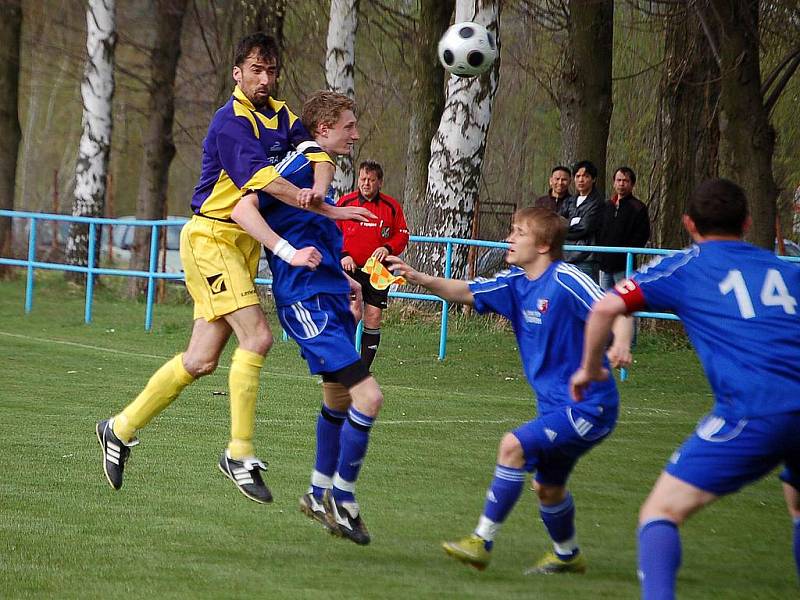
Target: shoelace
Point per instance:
(253, 463)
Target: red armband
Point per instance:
(631, 295)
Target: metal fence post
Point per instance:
(152, 268)
(448, 269)
(87, 317)
(31, 258)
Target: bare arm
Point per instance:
(246, 215)
(598, 328)
(452, 290)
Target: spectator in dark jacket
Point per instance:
(584, 215)
(559, 189)
(625, 223)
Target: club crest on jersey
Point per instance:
(385, 231)
(542, 305)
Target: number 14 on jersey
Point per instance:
(773, 292)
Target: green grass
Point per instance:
(178, 529)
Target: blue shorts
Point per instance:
(554, 442)
(722, 456)
(325, 330)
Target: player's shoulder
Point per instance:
(293, 162)
(669, 264)
(569, 276)
(499, 279)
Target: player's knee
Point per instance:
(550, 495)
(654, 511)
(510, 452)
(199, 366)
(374, 401)
(259, 340)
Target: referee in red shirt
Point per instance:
(388, 234)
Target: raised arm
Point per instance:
(452, 290)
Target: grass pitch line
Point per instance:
(225, 367)
(628, 409)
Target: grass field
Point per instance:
(179, 529)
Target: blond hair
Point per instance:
(325, 108)
(548, 228)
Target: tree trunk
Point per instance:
(340, 59)
(426, 104)
(159, 148)
(97, 92)
(584, 96)
(10, 37)
(747, 140)
(688, 134)
(457, 151)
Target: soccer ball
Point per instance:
(467, 49)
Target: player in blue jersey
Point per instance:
(220, 248)
(314, 309)
(738, 304)
(547, 301)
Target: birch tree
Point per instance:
(457, 151)
(426, 103)
(10, 36)
(159, 147)
(340, 59)
(97, 92)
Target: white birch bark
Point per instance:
(340, 59)
(97, 92)
(457, 149)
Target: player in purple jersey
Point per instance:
(547, 302)
(719, 285)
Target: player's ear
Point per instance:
(689, 225)
(237, 75)
(748, 222)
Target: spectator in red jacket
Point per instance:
(386, 235)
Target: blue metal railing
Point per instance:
(152, 274)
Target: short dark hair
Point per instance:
(264, 44)
(591, 170)
(718, 206)
(627, 171)
(561, 168)
(372, 166)
(548, 228)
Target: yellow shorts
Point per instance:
(220, 262)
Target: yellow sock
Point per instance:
(243, 384)
(163, 387)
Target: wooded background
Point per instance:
(677, 90)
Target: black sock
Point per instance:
(370, 340)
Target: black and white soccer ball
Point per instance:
(467, 49)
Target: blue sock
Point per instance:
(659, 559)
(353, 448)
(797, 544)
(559, 520)
(329, 428)
(501, 497)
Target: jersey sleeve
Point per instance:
(242, 156)
(493, 296)
(581, 289)
(658, 285)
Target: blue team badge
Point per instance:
(385, 231)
